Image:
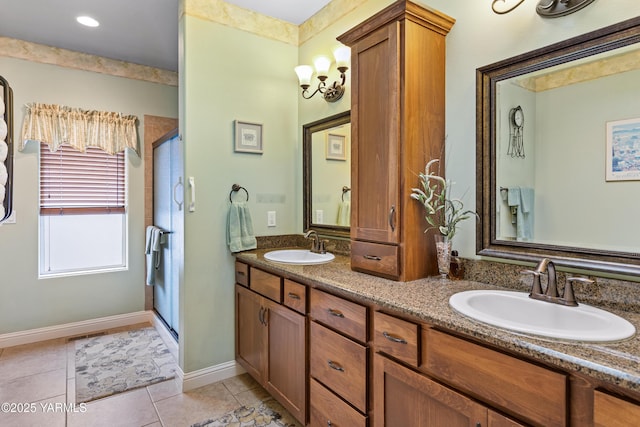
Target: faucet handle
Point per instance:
(568, 297)
(536, 288)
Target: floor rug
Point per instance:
(114, 363)
(265, 414)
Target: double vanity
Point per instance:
(362, 350)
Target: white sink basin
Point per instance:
(298, 256)
(517, 312)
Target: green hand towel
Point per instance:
(240, 235)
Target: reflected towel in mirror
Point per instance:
(344, 213)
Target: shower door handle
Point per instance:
(175, 188)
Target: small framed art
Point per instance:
(336, 147)
(623, 150)
(248, 137)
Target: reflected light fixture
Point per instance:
(545, 8)
(322, 64)
(87, 21)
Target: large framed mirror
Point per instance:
(558, 153)
(327, 175)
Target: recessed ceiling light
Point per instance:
(87, 21)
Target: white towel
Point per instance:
(153, 253)
(344, 213)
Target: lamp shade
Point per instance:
(322, 64)
(342, 55)
(304, 73)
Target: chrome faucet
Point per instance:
(317, 245)
(551, 293)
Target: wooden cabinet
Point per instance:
(611, 411)
(271, 344)
(406, 398)
(515, 386)
(338, 361)
(397, 126)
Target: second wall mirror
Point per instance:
(327, 175)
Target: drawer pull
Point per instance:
(394, 339)
(240, 273)
(372, 257)
(334, 365)
(293, 296)
(335, 313)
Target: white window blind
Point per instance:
(72, 182)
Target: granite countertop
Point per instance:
(428, 299)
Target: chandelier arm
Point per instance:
(502, 12)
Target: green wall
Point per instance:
(25, 301)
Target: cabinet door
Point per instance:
(375, 137)
(406, 398)
(251, 333)
(286, 378)
(611, 411)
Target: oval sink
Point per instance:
(517, 312)
(298, 256)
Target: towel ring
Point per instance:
(236, 187)
(344, 190)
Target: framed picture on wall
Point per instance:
(623, 150)
(336, 147)
(248, 137)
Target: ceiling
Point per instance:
(139, 31)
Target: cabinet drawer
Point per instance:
(328, 409)
(517, 387)
(340, 364)
(345, 316)
(612, 411)
(266, 284)
(242, 274)
(382, 259)
(295, 296)
(396, 337)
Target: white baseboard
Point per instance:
(210, 375)
(75, 328)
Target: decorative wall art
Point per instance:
(336, 147)
(623, 150)
(248, 137)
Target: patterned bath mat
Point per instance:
(265, 414)
(114, 363)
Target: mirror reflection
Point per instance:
(568, 153)
(327, 174)
(558, 153)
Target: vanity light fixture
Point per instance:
(545, 8)
(333, 92)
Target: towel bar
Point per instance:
(344, 190)
(237, 187)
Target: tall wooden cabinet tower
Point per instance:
(397, 126)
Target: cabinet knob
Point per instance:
(329, 423)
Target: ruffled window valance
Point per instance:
(56, 125)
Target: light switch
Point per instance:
(319, 216)
(271, 218)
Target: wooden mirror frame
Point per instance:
(307, 132)
(612, 37)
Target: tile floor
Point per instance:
(38, 376)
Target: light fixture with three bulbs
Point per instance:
(334, 91)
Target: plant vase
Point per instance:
(443, 252)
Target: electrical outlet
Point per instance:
(271, 218)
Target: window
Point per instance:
(83, 222)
